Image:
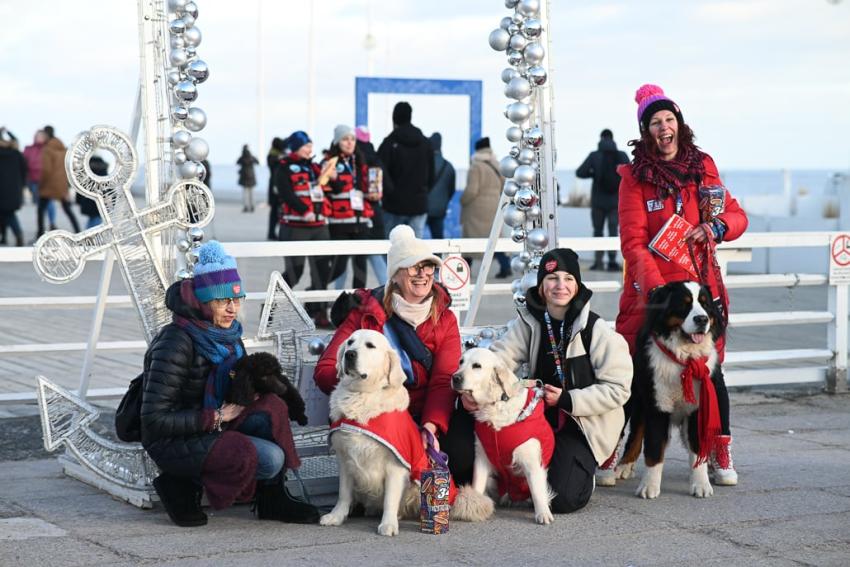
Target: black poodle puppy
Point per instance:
(260, 373)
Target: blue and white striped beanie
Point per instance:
(215, 274)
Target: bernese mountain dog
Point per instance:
(675, 368)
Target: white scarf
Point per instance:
(413, 313)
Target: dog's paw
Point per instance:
(701, 489)
(388, 528)
(544, 517)
(625, 471)
(648, 490)
(471, 506)
(331, 519)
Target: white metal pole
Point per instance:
(481, 280)
(837, 336)
(544, 110)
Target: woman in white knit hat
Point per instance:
(412, 311)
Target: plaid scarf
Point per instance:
(669, 176)
(222, 347)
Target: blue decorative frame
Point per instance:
(363, 86)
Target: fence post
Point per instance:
(836, 378)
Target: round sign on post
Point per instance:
(456, 278)
(839, 259)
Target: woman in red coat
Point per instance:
(665, 178)
(413, 313)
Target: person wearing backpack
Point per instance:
(585, 368)
(601, 166)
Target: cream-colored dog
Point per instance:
(371, 383)
(503, 402)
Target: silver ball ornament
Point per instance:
(525, 256)
(513, 217)
(524, 175)
(196, 119)
(517, 18)
(316, 346)
(177, 26)
(525, 199)
(195, 234)
(510, 4)
(534, 213)
(177, 5)
(518, 42)
(177, 41)
(514, 57)
(189, 20)
(190, 9)
(505, 23)
(191, 51)
(514, 152)
(515, 285)
(509, 73)
(514, 134)
(186, 91)
(528, 8)
(183, 274)
(201, 174)
(517, 265)
(193, 36)
(510, 188)
(181, 139)
(198, 149)
(513, 28)
(534, 263)
(507, 166)
(192, 256)
(198, 71)
(538, 239)
(179, 112)
(526, 156)
(173, 77)
(487, 333)
(188, 169)
(499, 39)
(533, 137)
(518, 234)
(519, 299)
(518, 112)
(184, 245)
(533, 53)
(532, 28)
(178, 57)
(537, 75)
(518, 88)
(529, 280)
(179, 157)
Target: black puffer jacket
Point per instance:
(408, 163)
(175, 376)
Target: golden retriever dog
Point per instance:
(371, 471)
(509, 415)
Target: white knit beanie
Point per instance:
(406, 250)
(342, 131)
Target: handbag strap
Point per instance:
(438, 459)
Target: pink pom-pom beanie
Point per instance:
(651, 99)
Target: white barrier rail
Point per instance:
(832, 361)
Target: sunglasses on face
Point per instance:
(427, 269)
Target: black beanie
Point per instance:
(402, 113)
(559, 259)
(482, 143)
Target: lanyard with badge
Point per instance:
(557, 348)
(317, 194)
(355, 195)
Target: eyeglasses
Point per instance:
(427, 269)
(234, 301)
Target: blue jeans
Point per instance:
(258, 428)
(51, 206)
(416, 222)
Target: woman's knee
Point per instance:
(571, 500)
(270, 458)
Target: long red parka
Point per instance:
(642, 214)
(431, 396)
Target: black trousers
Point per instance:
(66, 206)
(294, 265)
(274, 216)
(353, 231)
(570, 471)
(599, 215)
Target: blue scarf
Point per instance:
(222, 347)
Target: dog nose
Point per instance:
(457, 380)
(701, 320)
(351, 355)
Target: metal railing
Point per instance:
(826, 365)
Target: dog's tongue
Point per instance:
(697, 337)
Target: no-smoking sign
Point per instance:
(456, 278)
(839, 259)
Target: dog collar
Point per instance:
(532, 404)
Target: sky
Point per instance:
(764, 84)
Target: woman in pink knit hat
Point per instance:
(670, 175)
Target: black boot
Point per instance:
(274, 502)
(181, 498)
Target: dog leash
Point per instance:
(440, 459)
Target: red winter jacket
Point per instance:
(431, 397)
(646, 270)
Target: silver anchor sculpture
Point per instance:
(59, 256)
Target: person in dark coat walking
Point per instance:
(13, 174)
(601, 166)
(408, 162)
(442, 190)
(273, 161)
(199, 441)
(247, 178)
(87, 205)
